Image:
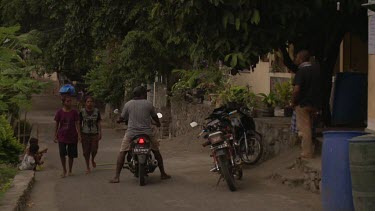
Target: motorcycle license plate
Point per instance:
(220, 152)
(221, 146)
(141, 150)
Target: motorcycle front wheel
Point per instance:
(252, 151)
(225, 169)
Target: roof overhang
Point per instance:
(370, 5)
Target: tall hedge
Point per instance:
(10, 148)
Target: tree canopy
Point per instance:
(144, 37)
(16, 86)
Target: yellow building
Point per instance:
(371, 67)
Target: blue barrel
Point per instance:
(336, 181)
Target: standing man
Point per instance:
(67, 133)
(138, 113)
(91, 132)
(306, 99)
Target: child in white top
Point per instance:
(30, 160)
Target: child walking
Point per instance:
(67, 133)
(91, 132)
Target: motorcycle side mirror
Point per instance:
(193, 124)
(160, 115)
(116, 111)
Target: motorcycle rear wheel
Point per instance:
(141, 174)
(226, 172)
(254, 152)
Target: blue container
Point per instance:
(336, 181)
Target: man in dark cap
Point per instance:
(138, 113)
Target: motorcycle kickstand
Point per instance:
(218, 181)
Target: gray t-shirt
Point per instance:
(138, 113)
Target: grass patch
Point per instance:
(7, 174)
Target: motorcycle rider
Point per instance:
(137, 114)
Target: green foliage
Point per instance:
(107, 79)
(283, 92)
(159, 36)
(7, 173)
(240, 95)
(10, 148)
(16, 86)
(268, 100)
(211, 79)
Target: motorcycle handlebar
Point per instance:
(201, 133)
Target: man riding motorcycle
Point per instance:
(137, 114)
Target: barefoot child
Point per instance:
(30, 160)
(40, 153)
(91, 132)
(67, 133)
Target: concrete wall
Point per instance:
(182, 114)
(371, 91)
(260, 81)
(160, 98)
(371, 86)
(276, 134)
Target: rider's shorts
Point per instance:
(125, 145)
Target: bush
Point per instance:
(10, 148)
(268, 100)
(283, 92)
(240, 95)
(211, 80)
(7, 173)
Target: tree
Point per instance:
(65, 31)
(158, 36)
(237, 32)
(16, 86)
(322, 36)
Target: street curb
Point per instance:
(16, 197)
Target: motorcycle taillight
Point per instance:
(215, 138)
(141, 141)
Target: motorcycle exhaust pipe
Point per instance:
(155, 163)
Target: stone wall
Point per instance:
(182, 114)
(160, 92)
(275, 131)
(276, 134)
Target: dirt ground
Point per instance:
(192, 186)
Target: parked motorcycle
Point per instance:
(247, 141)
(140, 160)
(227, 162)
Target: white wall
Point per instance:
(259, 80)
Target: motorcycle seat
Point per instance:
(141, 135)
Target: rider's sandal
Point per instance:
(165, 177)
(114, 181)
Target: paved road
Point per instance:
(192, 186)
